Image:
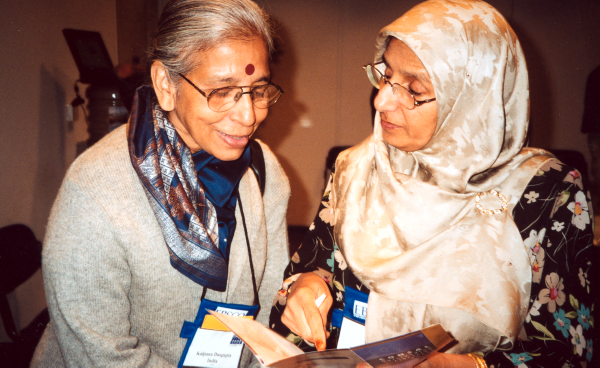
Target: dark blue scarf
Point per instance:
(220, 180)
(187, 218)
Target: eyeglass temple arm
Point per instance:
(193, 85)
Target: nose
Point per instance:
(243, 111)
(385, 100)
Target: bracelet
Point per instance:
(479, 362)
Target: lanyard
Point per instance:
(256, 300)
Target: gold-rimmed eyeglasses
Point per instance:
(223, 99)
(401, 93)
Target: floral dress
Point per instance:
(555, 219)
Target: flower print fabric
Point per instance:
(559, 328)
(553, 294)
(579, 207)
(562, 337)
(562, 323)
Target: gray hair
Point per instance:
(186, 27)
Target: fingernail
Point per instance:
(320, 344)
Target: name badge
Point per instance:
(210, 343)
(351, 321)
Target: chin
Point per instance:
(229, 154)
(401, 145)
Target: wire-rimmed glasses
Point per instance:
(401, 93)
(223, 99)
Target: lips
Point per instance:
(235, 141)
(389, 126)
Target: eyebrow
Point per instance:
(421, 76)
(231, 80)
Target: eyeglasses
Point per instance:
(223, 99)
(401, 93)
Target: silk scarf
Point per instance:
(165, 167)
(220, 180)
(407, 223)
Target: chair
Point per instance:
(20, 258)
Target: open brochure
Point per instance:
(273, 350)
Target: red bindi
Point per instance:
(249, 69)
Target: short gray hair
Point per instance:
(186, 27)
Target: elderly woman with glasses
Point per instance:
(169, 211)
(443, 216)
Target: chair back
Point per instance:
(20, 258)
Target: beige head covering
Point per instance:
(407, 223)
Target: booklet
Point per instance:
(273, 350)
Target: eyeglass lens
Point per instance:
(223, 99)
(401, 94)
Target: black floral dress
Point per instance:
(555, 219)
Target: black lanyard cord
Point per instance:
(256, 299)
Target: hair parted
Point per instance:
(186, 27)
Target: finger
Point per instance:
(325, 306)
(424, 364)
(315, 323)
(294, 315)
(293, 320)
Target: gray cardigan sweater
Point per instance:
(113, 296)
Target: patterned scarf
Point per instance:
(165, 167)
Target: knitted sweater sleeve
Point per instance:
(275, 202)
(87, 280)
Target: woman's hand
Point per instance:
(443, 360)
(302, 316)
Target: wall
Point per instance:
(136, 25)
(326, 102)
(38, 144)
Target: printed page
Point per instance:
(267, 345)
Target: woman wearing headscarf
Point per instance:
(167, 212)
(442, 216)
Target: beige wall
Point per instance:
(136, 25)
(37, 74)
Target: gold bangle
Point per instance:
(482, 361)
(475, 359)
(479, 362)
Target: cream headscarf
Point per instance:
(406, 222)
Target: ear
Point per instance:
(163, 86)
